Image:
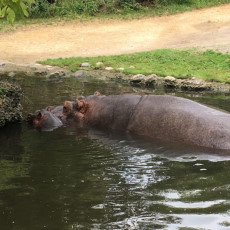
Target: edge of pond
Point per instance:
(154, 81)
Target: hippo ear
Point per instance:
(39, 115)
(79, 103)
(49, 108)
(97, 93)
(29, 117)
(67, 107)
(80, 97)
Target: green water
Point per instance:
(71, 179)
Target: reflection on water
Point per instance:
(71, 179)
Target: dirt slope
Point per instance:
(205, 28)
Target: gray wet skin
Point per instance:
(51, 121)
(44, 120)
(167, 118)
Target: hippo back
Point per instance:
(177, 119)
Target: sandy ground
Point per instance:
(206, 28)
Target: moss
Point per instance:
(10, 107)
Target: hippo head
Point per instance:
(44, 120)
(71, 107)
(71, 110)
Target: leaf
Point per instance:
(3, 11)
(10, 15)
(15, 9)
(24, 9)
(30, 1)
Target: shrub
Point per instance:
(71, 8)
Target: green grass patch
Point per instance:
(208, 65)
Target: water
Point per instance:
(67, 179)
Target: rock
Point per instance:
(170, 78)
(2, 64)
(40, 73)
(154, 76)
(11, 74)
(150, 80)
(79, 74)
(121, 69)
(99, 63)
(132, 67)
(49, 67)
(10, 107)
(195, 85)
(57, 74)
(197, 81)
(109, 68)
(170, 82)
(85, 64)
(138, 78)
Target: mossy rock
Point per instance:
(10, 107)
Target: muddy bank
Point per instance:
(10, 107)
(149, 81)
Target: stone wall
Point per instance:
(10, 107)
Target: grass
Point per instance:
(69, 10)
(208, 65)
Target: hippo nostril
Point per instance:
(29, 117)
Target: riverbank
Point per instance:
(11, 70)
(208, 65)
(10, 107)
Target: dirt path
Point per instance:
(205, 28)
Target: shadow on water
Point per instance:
(72, 179)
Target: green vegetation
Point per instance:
(50, 11)
(2, 93)
(86, 9)
(14, 9)
(208, 65)
(116, 8)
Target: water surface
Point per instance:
(72, 179)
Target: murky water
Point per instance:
(68, 179)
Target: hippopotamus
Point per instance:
(56, 110)
(44, 120)
(52, 117)
(162, 117)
